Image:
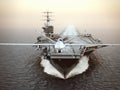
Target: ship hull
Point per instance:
(64, 66)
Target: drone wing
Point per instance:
(27, 44)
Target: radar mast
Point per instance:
(48, 29)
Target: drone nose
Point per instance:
(59, 45)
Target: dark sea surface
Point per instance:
(20, 70)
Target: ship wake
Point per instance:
(81, 67)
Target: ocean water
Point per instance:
(20, 69)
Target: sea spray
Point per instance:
(49, 69)
(81, 67)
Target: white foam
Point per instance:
(50, 69)
(81, 67)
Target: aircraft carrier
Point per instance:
(66, 50)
